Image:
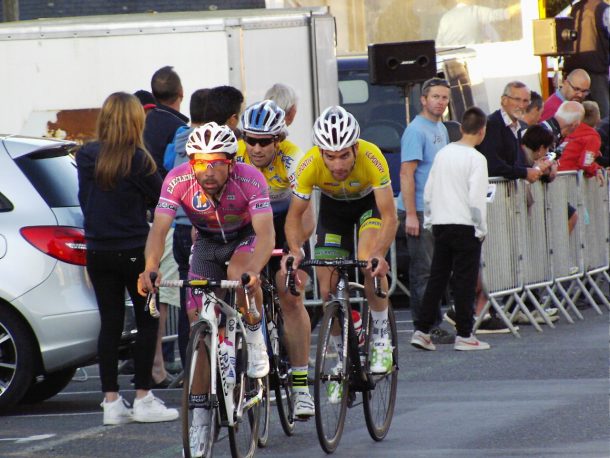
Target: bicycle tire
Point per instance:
(197, 342)
(379, 402)
(265, 415)
(330, 412)
(281, 380)
(243, 436)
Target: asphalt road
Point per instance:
(544, 395)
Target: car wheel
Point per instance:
(17, 356)
(49, 386)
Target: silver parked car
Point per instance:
(49, 319)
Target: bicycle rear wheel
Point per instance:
(198, 346)
(265, 415)
(330, 382)
(243, 436)
(281, 381)
(379, 402)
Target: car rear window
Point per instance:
(53, 173)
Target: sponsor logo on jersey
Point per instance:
(248, 180)
(167, 205)
(375, 161)
(200, 202)
(385, 179)
(330, 183)
(230, 196)
(261, 205)
(354, 184)
(232, 218)
(176, 180)
(304, 165)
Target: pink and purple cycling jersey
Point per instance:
(246, 194)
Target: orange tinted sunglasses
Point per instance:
(203, 164)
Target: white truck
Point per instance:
(57, 72)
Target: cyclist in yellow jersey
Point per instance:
(263, 124)
(354, 179)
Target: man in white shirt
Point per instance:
(455, 209)
(468, 24)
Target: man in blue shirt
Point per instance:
(422, 139)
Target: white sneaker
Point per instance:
(423, 341)
(381, 356)
(334, 390)
(470, 343)
(303, 404)
(199, 432)
(258, 361)
(117, 412)
(151, 409)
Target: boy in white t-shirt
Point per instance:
(455, 209)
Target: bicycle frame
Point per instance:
(359, 380)
(208, 315)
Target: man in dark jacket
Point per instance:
(501, 143)
(592, 23)
(163, 120)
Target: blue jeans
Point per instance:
(421, 250)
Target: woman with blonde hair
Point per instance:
(118, 181)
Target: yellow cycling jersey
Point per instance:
(279, 174)
(370, 172)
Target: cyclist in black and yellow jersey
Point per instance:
(263, 125)
(354, 180)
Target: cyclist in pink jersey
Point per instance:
(228, 205)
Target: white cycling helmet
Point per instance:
(264, 118)
(210, 139)
(335, 129)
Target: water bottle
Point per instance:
(357, 319)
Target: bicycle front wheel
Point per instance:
(379, 402)
(197, 439)
(281, 381)
(330, 381)
(265, 415)
(243, 435)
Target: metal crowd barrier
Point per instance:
(529, 246)
(536, 247)
(567, 262)
(501, 259)
(596, 234)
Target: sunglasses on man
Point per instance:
(259, 141)
(209, 160)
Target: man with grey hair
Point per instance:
(286, 98)
(501, 143)
(567, 118)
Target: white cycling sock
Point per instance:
(380, 323)
(255, 334)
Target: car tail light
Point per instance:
(61, 242)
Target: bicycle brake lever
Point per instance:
(376, 282)
(151, 299)
(250, 303)
(290, 282)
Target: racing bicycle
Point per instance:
(338, 378)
